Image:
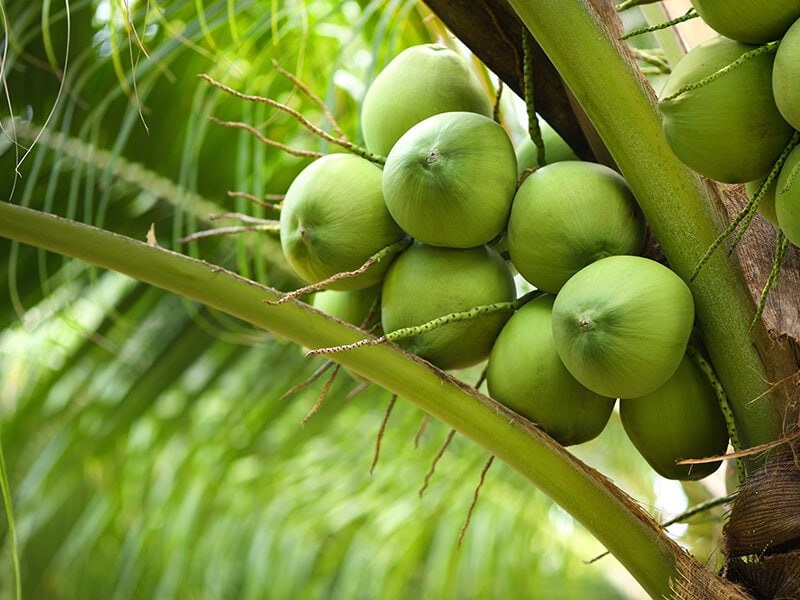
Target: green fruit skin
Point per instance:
(525, 374)
(787, 198)
(729, 130)
(766, 206)
(749, 21)
(568, 214)
(334, 218)
(786, 76)
(426, 282)
(679, 420)
(418, 83)
(555, 149)
(621, 325)
(450, 179)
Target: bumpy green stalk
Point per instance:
(603, 509)
(677, 203)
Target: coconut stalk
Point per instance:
(609, 514)
(685, 211)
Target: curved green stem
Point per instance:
(607, 512)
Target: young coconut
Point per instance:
(555, 149)
(621, 325)
(426, 282)
(526, 374)
(787, 197)
(679, 420)
(727, 129)
(334, 218)
(418, 83)
(567, 215)
(450, 179)
(749, 21)
(786, 75)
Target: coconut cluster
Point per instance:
(730, 109)
(455, 227)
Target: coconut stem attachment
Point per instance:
(765, 49)
(724, 405)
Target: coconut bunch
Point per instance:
(439, 232)
(730, 109)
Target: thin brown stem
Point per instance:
(311, 379)
(322, 396)
(474, 500)
(314, 287)
(265, 140)
(436, 460)
(357, 390)
(270, 200)
(242, 217)
(321, 133)
(381, 431)
(316, 99)
(421, 430)
(271, 227)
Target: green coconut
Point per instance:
(525, 373)
(680, 420)
(787, 197)
(427, 282)
(749, 21)
(621, 325)
(786, 76)
(450, 179)
(568, 214)
(555, 149)
(418, 83)
(334, 218)
(730, 129)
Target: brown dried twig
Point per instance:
(381, 431)
(436, 459)
(297, 115)
(474, 500)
